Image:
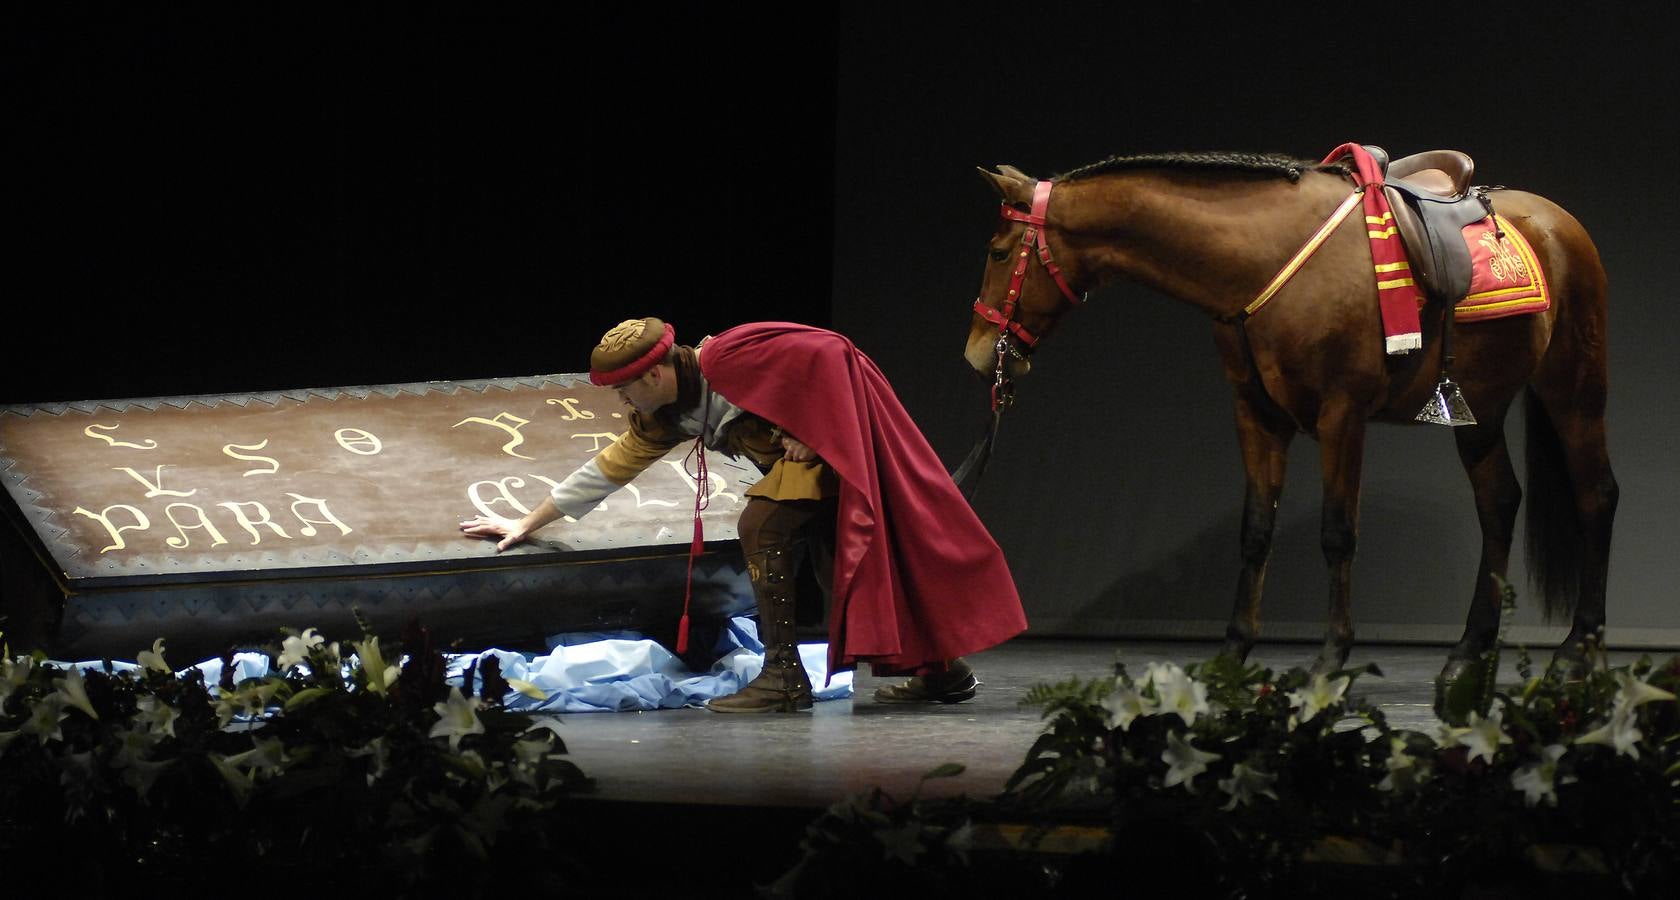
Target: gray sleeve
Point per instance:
(582, 491)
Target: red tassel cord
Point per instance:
(702, 496)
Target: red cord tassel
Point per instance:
(702, 493)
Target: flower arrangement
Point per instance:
(1262, 767)
(1260, 783)
(346, 765)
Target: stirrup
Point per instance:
(1447, 407)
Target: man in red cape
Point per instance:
(917, 582)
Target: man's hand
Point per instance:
(795, 450)
(505, 532)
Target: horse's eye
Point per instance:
(999, 255)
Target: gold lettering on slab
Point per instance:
(180, 542)
(308, 529)
(274, 464)
(250, 524)
(148, 445)
(155, 488)
(103, 517)
(569, 404)
(510, 429)
(359, 442)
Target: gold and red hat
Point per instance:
(632, 347)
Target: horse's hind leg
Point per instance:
(1487, 460)
(1264, 439)
(1573, 557)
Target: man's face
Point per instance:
(650, 391)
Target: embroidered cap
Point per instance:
(632, 347)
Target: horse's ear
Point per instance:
(1015, 188)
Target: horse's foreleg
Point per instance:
(1265, 451)
(1341, 438)
(1487, 460)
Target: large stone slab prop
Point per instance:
(212, 520)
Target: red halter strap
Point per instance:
(1004, 318)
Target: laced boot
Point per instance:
(783, 685)
(954, 685)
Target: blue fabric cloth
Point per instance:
(597, 672)
(627, 672)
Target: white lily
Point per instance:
(532, 751)
(1633, 691)
(1316, 696)
(1621, 731)
(1483, 737)
(1402, 767)
(295, 649)
(1184, 761)
(1126, 704)
(43, 719)
(380, 674)
(152, 660)
(73, 692)
(156, 715)
(239, 783)
(265, 756)
(458, 717)
(1245, 784)
(13, 675)
(132, 746)
(1539, 781)
(902, 842)
(1180, 694)
(249, 701)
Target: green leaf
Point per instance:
(305, 697)
(527, 688)
(948, 770)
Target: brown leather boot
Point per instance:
(783, 685)
(956, 684)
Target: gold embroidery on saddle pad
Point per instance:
(1505, 278)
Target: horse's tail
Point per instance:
(1556, 538)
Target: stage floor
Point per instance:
(809, 760)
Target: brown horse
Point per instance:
(1212, 230)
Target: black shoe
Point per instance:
(957, 684)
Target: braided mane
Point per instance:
(1252, 163)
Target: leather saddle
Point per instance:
(1432, 200)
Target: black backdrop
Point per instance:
(217, 199)
(1117, 486)
(210, 198)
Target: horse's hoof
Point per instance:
(1453, 673)
(1331, 658)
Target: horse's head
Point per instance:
(1020, 300)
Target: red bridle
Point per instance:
(1004, 318)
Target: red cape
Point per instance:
(917, 578)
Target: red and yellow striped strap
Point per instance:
(1305, 253)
